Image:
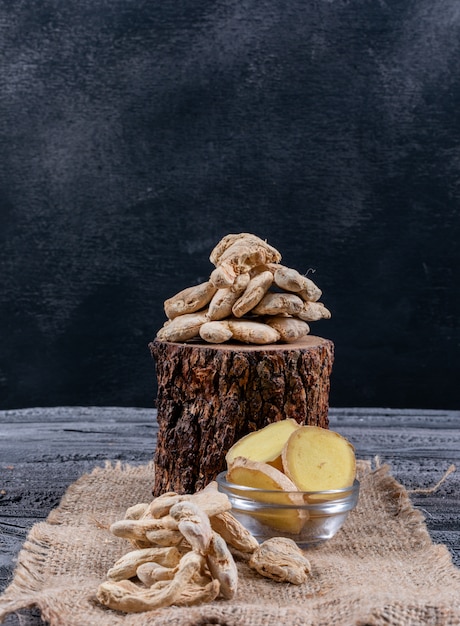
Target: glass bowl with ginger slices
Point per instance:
(291, 480)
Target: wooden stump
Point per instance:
(211, 395)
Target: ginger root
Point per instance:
(189, 300)
(197, 566)
(234, 533)
(248, 285)
(238, 254)
(282, 560)
(127, 565)
(253, 294)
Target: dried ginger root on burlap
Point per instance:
(198, 568)
(282, 560)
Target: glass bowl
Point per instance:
(309, 517)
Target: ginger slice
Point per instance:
(275, 488)
(265, 444)
(318, 459)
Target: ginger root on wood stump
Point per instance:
(249, 284)
(235, 354)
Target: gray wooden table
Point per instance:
(43, 450)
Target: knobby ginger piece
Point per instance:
(223, 300)
(183, 327)
(164, 537)
(222, 566)
(189, 300)
(151, 572)
(216, 332)
(195, 593)
(265, 444)
(280, 559)
(193, 524)
(312, 293)
(241, 282)
(252, 332)
(319, 459)
(159, 507)
(210, 500)
(136, 511)
(289, 328)
(237, 254)
(279, 304)
(221, 303)
(144, 533)
(253, 294)
(128, 597)
(234, 533)
(127, 565)
(135, 528)
(313, 311)
(246, 331)
(291, 280)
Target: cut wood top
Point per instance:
(305, 343)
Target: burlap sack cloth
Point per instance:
(381, 568)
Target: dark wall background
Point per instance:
(135, 134)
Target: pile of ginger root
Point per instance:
(249, 297)
(184, 550)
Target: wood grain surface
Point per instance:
(43, 450)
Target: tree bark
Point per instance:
(209, 396)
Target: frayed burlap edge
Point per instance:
(316, 604)
(26, 589)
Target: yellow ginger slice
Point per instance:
(276, 489)
(318, 459)
(265, 444)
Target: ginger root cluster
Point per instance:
(249, 297)
(184, 551)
